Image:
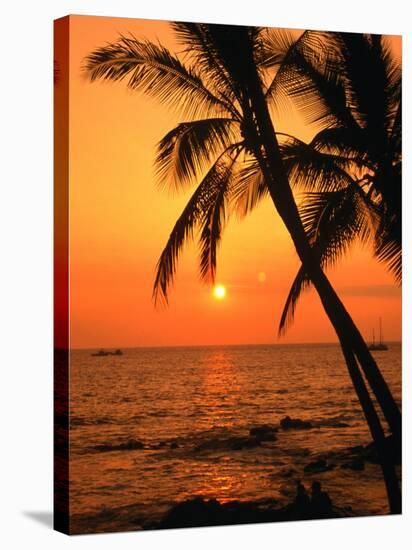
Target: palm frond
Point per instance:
(197, 38)
(312, 80)
(248, 189)
(354, 63)
(396, 133)
(197, 213)
(215, 216)
(343, 142)
(389, 252)
(156, 71)
(299, 285)
(280, 52)
(388, 238)
(232, 47)
(185, 151)
(372, 81)
(181, 232)
(312, 170)
(393, 91)
(332, 221)
(274, 47)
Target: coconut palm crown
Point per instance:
(212, 148)
(351, 170)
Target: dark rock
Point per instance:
(174, 445)
(288, 423)
(130, 445)
(239, 443)
(231, 443)
(318, 466)
(198, 512)
(357, 464)
(339, 424)
(264, 432)
(288, 472)
(369, 453)
(192, 513)
(333, 422)
(297, 451)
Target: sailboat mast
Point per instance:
(378, 346)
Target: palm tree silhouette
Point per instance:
(233, 103)
(351, 170)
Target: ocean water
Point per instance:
(184, 405)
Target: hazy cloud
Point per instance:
(370, 290)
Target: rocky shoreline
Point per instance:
(352, 458)
(199, 512)
(196, 512)
(202, 512)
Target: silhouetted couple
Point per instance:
(316, 506)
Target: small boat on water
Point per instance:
(380, 346)
(103, 353)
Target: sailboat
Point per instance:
(378, 346)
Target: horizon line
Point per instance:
(323, 343)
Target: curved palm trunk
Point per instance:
(350, 339)
(337, 312)
(353, 345)
(389, 473)
(345, 331)
(283, 199)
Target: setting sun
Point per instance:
(219, 292)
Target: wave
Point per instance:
(76, 421)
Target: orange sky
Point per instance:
(120, 221)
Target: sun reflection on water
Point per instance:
(221, 386)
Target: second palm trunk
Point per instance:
(268, 155)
